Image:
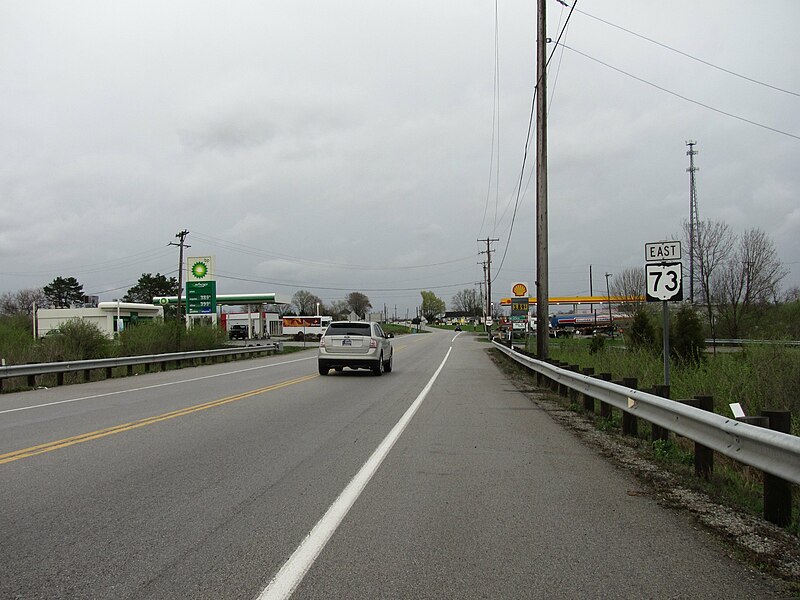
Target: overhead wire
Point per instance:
(687, 55)
(682, 97)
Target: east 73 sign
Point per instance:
(664, 281)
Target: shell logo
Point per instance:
(519, 290)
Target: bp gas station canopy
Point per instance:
(230, 299)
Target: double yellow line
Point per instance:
(101, 433)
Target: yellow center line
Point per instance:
(100, 433)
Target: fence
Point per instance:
(59, 369)
(749, 441)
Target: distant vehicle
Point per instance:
(238, 332)
(458, 328)
(305, 326)
(356, 345)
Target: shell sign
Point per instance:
(519, 290)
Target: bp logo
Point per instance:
(199, 269)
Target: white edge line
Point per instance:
(291, 574)
(158, 385)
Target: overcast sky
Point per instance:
(356, 146)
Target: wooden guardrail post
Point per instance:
(60, 378)
(777, 491)
(703, 455)
(658, 432)
(588, 401)
(605, 407)
(32, 381)
(630, 424)
(572, 394)
(87, 375)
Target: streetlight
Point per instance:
(608, 298)
(317, 308)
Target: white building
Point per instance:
(106, 316)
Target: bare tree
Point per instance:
(469, 301)
(713, 246)
(630, 285)
(752, 277)
(305, 302)
(21, 302)
(359, 303)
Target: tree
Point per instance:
(63, 292)
(713, 245)
(149, 286)
(751, 277)
(469, 301)
(338, 309)
(641, 333)
(21, 302)
(688, 342)
(629, 285)
(432, 306)
(358, 303)
(306, 302)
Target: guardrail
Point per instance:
(773, 452)
(711, 342)
(59, 369)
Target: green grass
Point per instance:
(757, 377)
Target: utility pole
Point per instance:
(181, 235)
(542, 277)
(608, 299)
(488, 253)
(693, 219)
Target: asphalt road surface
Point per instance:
(260, 479)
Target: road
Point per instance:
(203, 482)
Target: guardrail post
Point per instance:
(109, 372)
(703, 455)
(656, 431)
(60, 378)
(130, 370)
(588, 401)
(572, 394)
(32, 381)
(605, 407)
(87, 375)
(777, 491)
(630, 424)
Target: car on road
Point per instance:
(238, 332)
(355, 345)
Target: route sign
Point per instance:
(201, 297)
(664, 281)
(662, 251)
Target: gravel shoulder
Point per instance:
(766, 548)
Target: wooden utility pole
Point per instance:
(181, 235)
(488, 254)
(542, 283)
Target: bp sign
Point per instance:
(201, 297)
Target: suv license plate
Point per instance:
(347, 342)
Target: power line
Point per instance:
(687, 55)
(677, 95)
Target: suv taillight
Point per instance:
(373, 343)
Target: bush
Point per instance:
(17, 345)
(688, 342)
(597, 344)
(76, 340)
(147, 337)
(642, 333)
(204, 337)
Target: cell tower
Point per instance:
(693, 219)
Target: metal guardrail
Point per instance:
(711, 342)
(60, 368)
(773, 452)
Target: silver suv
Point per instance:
(357, 345)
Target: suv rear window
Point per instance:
(348, 329)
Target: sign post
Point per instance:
(664, 279)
